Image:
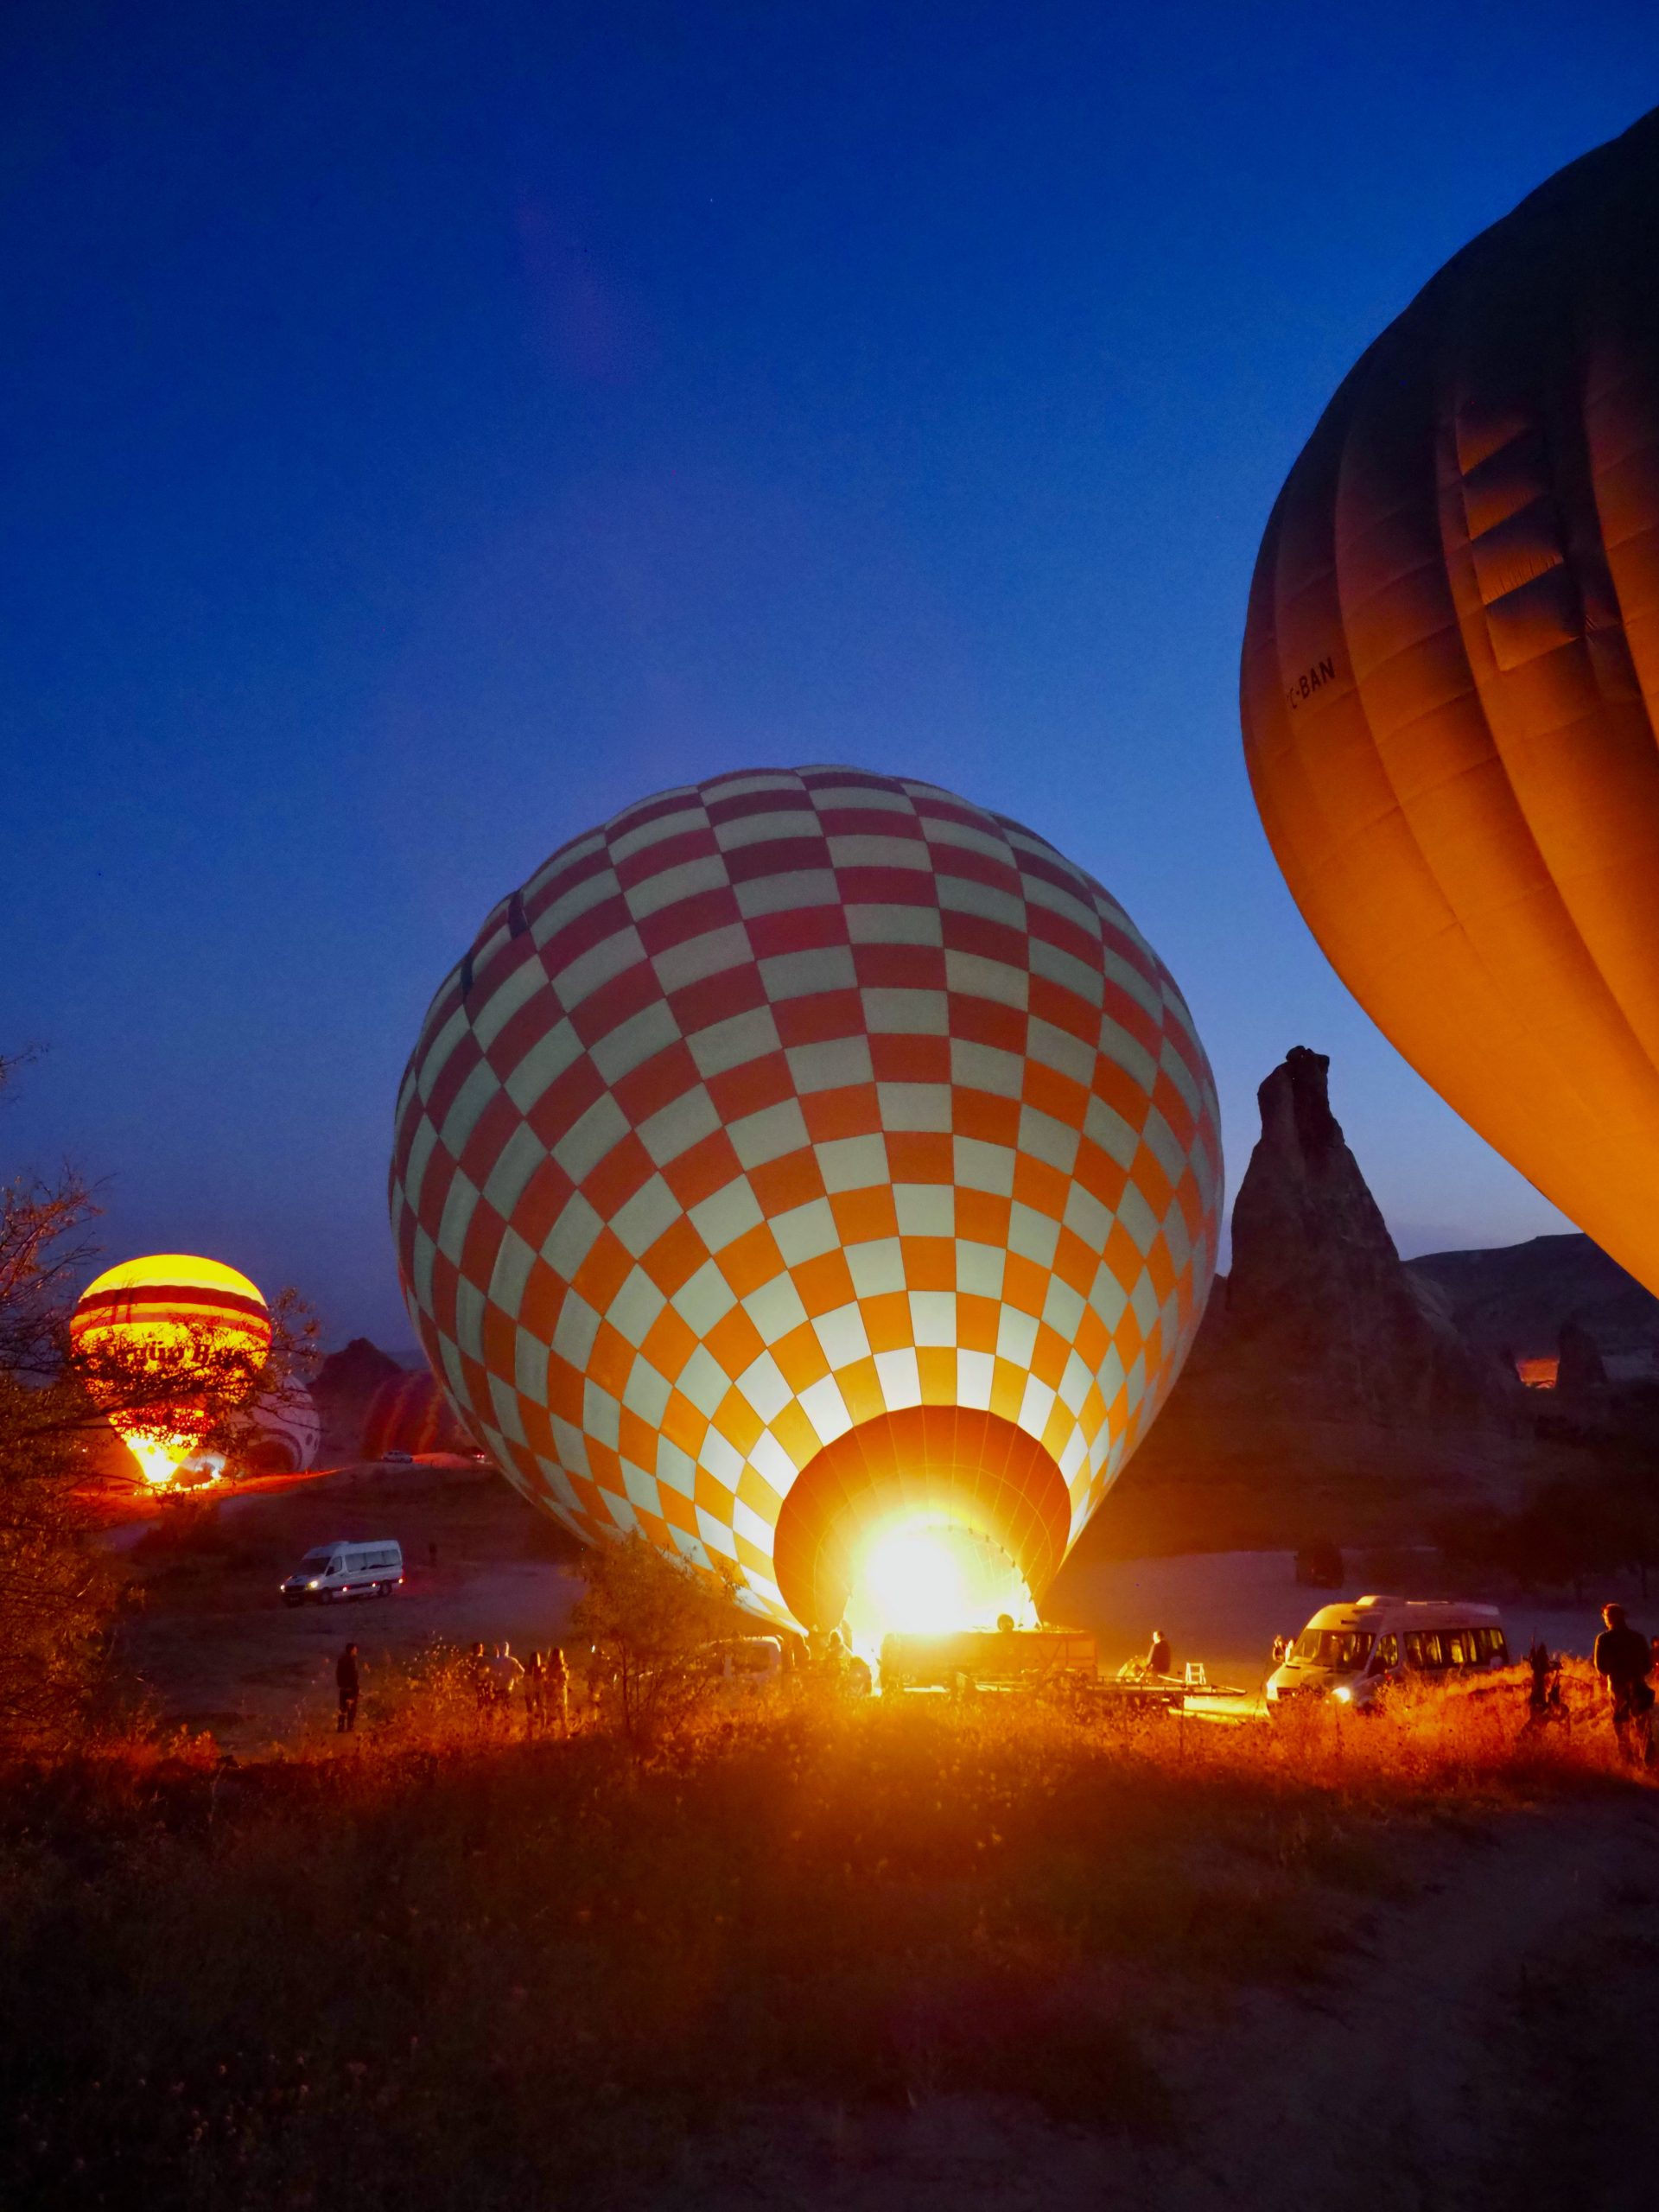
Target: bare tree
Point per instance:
(650, 1621)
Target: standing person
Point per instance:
(1624, 1660)
(346, 1681)
(1160, 1660)
(558, 1690)
(535, 1693)
(1544, 1691)
(506, 1675)
(478, 1674)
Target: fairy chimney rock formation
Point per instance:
(1318, 1300)
(342, 1388)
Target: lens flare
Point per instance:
(923, 1577)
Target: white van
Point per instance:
(1349, 1652)
(745, 1668)
(346, 1570)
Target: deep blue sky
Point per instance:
(429, 427)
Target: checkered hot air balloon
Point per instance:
(803, 1151)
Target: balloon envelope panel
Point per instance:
(1450, 670)
(282, 1435)
(783, 1105)
(409, 1413)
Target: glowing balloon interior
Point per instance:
(924, 1575)
(158, 1312)
(1451, 673)
(819, 1175)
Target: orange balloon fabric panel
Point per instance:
(1450, 665)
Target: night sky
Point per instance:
(428, 429)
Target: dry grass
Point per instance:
(431, 1969)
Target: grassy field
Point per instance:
(427, 1968)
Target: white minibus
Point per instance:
(1349, 1652)
(346, 1570)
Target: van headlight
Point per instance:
(1344, 1696)
(312, 1584)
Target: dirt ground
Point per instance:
(1478, 2041)
(216, 1649)
(1480, 2045)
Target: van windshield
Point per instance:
(317, 1559)
(1339, 1650)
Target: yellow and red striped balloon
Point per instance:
(159, 1309)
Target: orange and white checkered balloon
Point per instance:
(808, 1134)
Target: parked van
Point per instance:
(1349, 1652)
(346, 1570)
(745, 1668)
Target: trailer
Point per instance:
(1030, 1659)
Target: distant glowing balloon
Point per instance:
(1451, 673)
(804, 1156)
(156, 1311)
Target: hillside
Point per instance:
(1514, 1300)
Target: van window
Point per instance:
(1388, 1650)
(1423, 1648)
(1489, 1642)
(1343, 1650)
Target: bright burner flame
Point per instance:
(925, 1578)
(158, 1456)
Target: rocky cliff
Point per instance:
(1318, 1307)
(343, 1387)
(1516, 1300)
(1330, 1392)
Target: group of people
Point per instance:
(538, 1687)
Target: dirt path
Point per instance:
(1408, 2066)
(1419, 2076)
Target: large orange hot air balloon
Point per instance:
(1450, 677)
(164, 1310)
